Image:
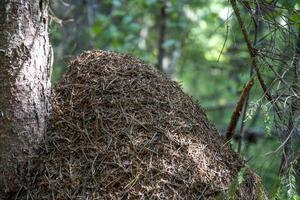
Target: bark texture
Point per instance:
(25, 68)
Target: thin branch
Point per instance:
(236, 114)
(257, 26)
(226, 37)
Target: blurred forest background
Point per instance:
(200, 44)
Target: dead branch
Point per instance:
(236, 114)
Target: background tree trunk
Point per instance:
(25, 65)
(162, 37)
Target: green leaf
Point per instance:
(288, 3)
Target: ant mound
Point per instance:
(121, 130)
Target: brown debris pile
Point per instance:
(121, 130)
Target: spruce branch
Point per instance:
(252, 51)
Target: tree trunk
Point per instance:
(25, 68)
(162, 35)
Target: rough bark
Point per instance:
(25, 63)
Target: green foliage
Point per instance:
(236, 183)
(287, 186)
(264, 160)
(253, 106)
(288, 3)
(267, 118)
